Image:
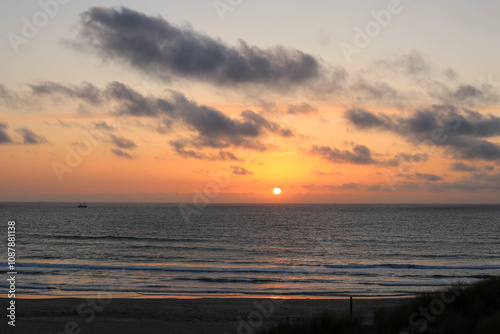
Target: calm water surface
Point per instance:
(142, 250)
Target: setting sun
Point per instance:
(277, 191)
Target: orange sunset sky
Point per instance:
(217, 101)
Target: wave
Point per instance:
(345, 269)
(412, 266)
(112, 237)
(226, 280)
(172, 268)
(162, 291)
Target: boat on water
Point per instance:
(84, 205)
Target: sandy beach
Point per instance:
(168, 315)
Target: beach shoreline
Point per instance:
(198, 297)
(174, 315)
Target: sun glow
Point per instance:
(277, 191)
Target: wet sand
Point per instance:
(169, 315)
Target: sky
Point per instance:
(221, 101)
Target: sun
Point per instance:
(276, 191)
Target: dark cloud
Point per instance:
(347, 186)
(123, 142)
(133, 103)
(179, 147)
(465, 94)
(429, 177)
(486, 177)
(400, 186)
(238, 170)
(217, 130)
(225, 155)
(477, 182)
(450, 74)
(4, 93)
(146, 42)
(413, 158)
(461, 167)
(360, 154)
(412, 63)
(29, 137)
(86, 91)
(374, 90)
(444, 125)
(121, 154)
(471, 148)
(303, 108)
(335, 80)
(164, 126)
(102, 125)
(4, 137)
(7, 97)
(416, 63)
(365, 119)
(213, 128)
(472, 123)
(263, 123)
(418, 66)
(378, 187)
(213, 124)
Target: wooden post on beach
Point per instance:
(350, 313)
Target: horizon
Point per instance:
(256, 203)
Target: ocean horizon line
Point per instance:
(251, 203)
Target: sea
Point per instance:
(247, 250)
